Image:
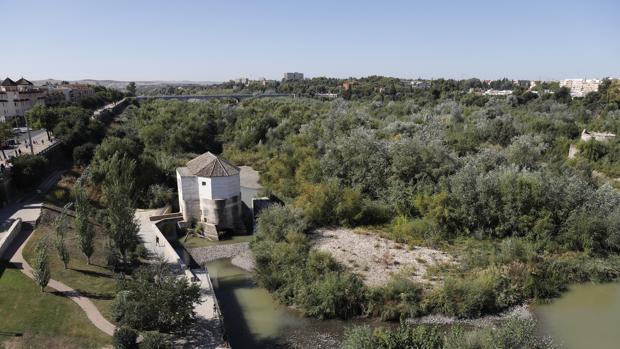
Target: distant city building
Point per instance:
(75, 92)
(293, 76)
(347, 85)
(17, 97)
(54, 96)
(581, 87)
(523, 83)
(326, 95)
(420, 84)
(497, 92)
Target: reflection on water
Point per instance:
(254, 320)
(588, 316)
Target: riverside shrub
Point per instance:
(512, 334)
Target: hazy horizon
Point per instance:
(217, 41)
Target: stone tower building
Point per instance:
(210, 193)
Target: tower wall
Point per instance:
(224, 213)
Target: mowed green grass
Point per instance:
(45, 320)
(94, 280)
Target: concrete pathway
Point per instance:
(85, 303)
(154, 241)
(39, 137)
(207, 332)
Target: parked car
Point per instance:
(9, 144)
(17, 130)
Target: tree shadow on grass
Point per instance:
(92, 273)
(90, 295)
(3, 265)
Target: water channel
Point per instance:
(253, 319)
(585, 317)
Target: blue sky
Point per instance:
(221, 40)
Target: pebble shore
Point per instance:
(521, 312)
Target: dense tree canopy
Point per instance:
(437, 164)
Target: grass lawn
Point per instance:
(195, 241)
(93, 281)
(45, 319)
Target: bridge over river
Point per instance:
(237, 97)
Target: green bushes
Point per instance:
(125, 338)
(469, 297)
(160, 196)
(328, 203)
(156, 340)
(309, 279)
(399, 299)
(512, 334)
(276, 222)
(435, 169)
(82, 154)
(28, 169)
(403, 337)
(154, 299)
(332, 294)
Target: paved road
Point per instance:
(39, 140)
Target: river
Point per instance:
(253, 319)
(585, 317)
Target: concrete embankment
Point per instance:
(240, 254)
(7, 236)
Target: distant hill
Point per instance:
(120, 85)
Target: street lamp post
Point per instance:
(29, 135)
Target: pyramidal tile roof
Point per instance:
(210, 165)
(8, 82)
(23, 81)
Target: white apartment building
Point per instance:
(75, 92)
(581, 87)
(293, 76)
(17, 97)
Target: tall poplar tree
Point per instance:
(121, 225)
(83, 228)
(60, 227)
(41, 268)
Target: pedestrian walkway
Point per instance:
(207, 332)
(154, 241)
(40, 143)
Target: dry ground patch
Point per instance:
(376, 259)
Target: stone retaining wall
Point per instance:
(7, 237)
(203, 255)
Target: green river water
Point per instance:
(585, 317)
(253, 319)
